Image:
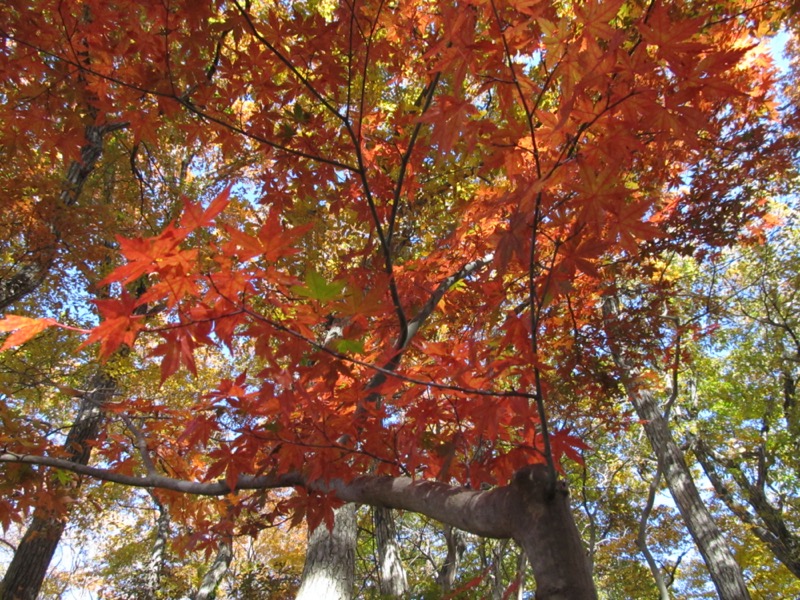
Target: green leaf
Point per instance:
(63, 477)
(350, 346)
(317, 288)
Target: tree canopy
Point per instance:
(405, 253)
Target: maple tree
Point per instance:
(415, 285)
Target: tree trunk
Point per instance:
(329, 572)
(32, 271)
(493, 565)
(28, 568)
(724, 571)
(392, 579)
(768, 523)
(217, 571)
(456, 546)
(641, 538)
(528, 510)
(155, 564)
(546, 530)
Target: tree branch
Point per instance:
(478, 512)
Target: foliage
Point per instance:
(396, 227)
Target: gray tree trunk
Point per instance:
(725, 572)
(392, 579)
(214, 575)
(155, 564)
(456, 546)
(641, 539)
(329, 571)
(493, 564)
(766, 521)
(529, 510)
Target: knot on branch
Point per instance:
(534, 482)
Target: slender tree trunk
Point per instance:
(641, 538)
(494, 565)
(516, 589)
(456, 546)
(522, 564)
(725, 572)
(329, 572)
(28, 568)
(767, 523)
(214, 575)
(32, 271)
(155, 564)
(30, 563)
(392, 579)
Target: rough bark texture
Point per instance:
(329, 571)
(155, 564)
(214, 575)
(393, 582)
(724, 571)
(28, 567)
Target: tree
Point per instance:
(747, 377)
(455, 187)
(392, 577)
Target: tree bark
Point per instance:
(456, 546)
(329, 571)
(724, 571)
(539, 521)
(30, 563)
(392, 579)
(214, 575)
(155, 564)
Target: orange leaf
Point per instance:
(195, 217)
(24, 328)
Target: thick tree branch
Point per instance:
(473, 511)
(523, 510)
